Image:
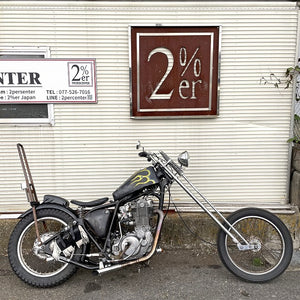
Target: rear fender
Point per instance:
(55, 206)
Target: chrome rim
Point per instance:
(268, 241)
(36, 264)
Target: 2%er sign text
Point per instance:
(186, 88)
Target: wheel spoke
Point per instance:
(28, 258)
(262, 233)
(35, 261)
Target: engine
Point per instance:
(134, 238)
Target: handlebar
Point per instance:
(152, 156)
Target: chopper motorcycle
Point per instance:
(52, 239)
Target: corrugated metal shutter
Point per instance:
(239, 158)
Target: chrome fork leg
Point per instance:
(235, 240)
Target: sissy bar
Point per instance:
(29, 186)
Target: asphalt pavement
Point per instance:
(172, 274)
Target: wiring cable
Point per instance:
(185, 224)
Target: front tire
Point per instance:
(273, 245)
(36, 268)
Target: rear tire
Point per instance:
(274, 246)
(33, 268)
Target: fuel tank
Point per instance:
(137, 182)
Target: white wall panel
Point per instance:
(239, 158)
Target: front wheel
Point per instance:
(271, 242)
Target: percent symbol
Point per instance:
(84, 70)
(184, 63)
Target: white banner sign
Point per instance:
(47, 81)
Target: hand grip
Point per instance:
(143, 154)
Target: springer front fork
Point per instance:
(238, 239)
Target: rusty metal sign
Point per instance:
(174, 71)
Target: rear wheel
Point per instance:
(273, 246)
(27, 258)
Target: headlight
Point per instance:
(183, 159)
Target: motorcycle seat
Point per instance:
(89, 203)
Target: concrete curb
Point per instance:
(174, 233)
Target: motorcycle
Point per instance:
(52, 239)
